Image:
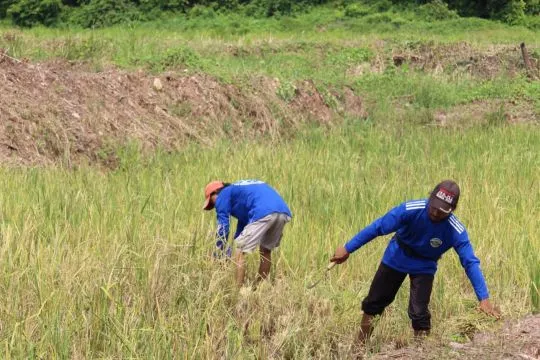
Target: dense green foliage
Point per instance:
(32, 12)
(98, 13)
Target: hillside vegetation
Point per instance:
(97, 13)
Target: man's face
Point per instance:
(213, 198)
(437, 215)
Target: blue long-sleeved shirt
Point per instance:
(248, 201)
(411, 223)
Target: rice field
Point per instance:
(117, 265)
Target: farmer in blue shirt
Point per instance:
(261, 213)
(424, 230)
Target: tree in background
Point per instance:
(4, 5)
(33, 12)
(100, 13)
(510, 11)
(533, 7)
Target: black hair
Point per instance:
(224, 186)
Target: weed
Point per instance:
(497, 118)
(286, 91)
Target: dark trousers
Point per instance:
(385, 286)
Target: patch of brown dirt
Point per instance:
(62, 112)
(463, 59)
(487, 113)
(309, 101)
(515, 340)
(354, 105)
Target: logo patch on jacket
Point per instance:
(435, 242)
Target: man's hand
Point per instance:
(341, 255)
(487, 308)
(221, 251)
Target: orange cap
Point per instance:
(208, 190)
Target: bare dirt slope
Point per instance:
(59, 111)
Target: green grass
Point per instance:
(426, 91)
(228, 31)
(117, 264)
(323, 45)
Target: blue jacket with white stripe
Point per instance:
(411, 223)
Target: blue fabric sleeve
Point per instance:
(223, 224)
(239, 228)
(384, 225)
(471, 264)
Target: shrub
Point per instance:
(356, 10)
(100, 13)
(349, 56)
(176, 57)
(4, 5)
(533, 7)
(33, 12)
(510, 11)
(164, 5)
(397, 22)
(202, 12)
(379, 19)
(85, 48)
(436, 10)
(278, 7)
(286, 91)
(514, 12)
(382, 5)
(532, 22)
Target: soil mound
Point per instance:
(64, 112)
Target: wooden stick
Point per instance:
(527, 61)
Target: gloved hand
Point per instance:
(340, 256)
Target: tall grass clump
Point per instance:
(118, 264)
